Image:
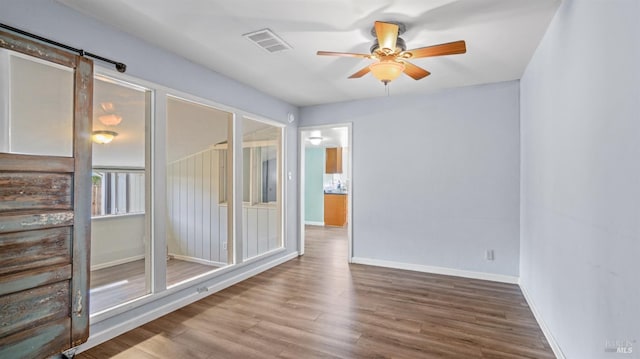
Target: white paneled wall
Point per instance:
(260, 230)
(196, 223)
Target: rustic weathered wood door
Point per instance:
(45, 227)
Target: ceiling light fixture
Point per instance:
(386, 71)
(315, 140)
(103, 137)
(110, 119)
(107, 106)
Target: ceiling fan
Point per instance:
(391, 54)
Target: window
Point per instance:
(260, 174)
(117, 192)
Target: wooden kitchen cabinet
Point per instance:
(335, 210)
(333, 163)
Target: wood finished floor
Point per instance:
(318, 306)
(124, 282)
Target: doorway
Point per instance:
(326, 181)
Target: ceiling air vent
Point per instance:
(267, 40)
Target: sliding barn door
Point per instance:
(44, 206)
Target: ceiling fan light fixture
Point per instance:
(107, 106)
(103, 137)
(386, 71)
(110, 119)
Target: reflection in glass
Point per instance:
(117, 192)
(119, 225)
(198, 239)
(262, 191)
(36, 106)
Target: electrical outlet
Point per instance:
(202, 289)
(488, 255)
(224, 245)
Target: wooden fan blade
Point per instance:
(450, 48)
(387, 35)
(343, 54)
(415, 72)
(360, 73)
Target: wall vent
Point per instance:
(267, 40)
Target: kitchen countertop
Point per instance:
(335, 191)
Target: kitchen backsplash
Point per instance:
(335, 181)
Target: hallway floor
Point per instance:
(124, 282)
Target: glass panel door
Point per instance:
(42, 127)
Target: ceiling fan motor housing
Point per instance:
(400, 46)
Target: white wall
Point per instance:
(195, 227)
(580, 250)
(435, 176)
(260, 229)
(115, 239)
(197, 221)
(186, 121)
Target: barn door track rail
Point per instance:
(119, 65)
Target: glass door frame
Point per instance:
(156, 137)
(104, 74)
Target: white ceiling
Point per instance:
(501, 36)
(128, 148)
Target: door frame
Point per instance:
(301, 186)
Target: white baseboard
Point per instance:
(545, 330)
(311, 223)
(97, 338)
(437, 270)
(197, 260)
(117, 262)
